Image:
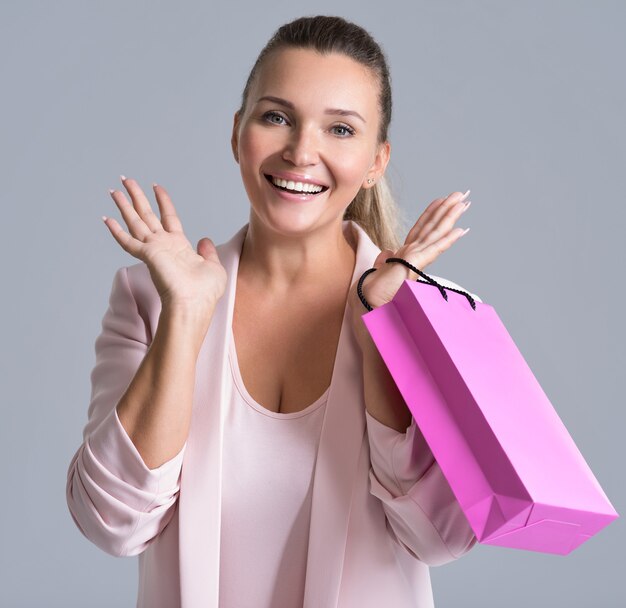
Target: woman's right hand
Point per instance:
(180, 274)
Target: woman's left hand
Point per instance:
(432, 234)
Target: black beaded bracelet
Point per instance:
(430, 280)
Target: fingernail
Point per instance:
(154, 185)
(464, 232)
(104, 218)
(467, 204)
(111, 191)
(122, 177)
(465, 195)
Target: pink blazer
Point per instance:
(370, 544)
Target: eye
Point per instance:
(349, 130)
(272, 114)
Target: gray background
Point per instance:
(521, 102)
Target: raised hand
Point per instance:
(180, 273)
(432, 234)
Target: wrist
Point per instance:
(181, 306)
(188, 314)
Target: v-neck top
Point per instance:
(268, 459)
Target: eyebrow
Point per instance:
(290, 105)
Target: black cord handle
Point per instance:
(430, 280)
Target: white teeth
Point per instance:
(297, 186)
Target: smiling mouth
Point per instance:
(269, 179)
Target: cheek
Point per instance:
(253, 142)
(351, 168)
(249, 147)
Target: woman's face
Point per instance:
(299, 134)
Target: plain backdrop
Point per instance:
(523, 103)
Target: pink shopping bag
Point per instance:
(511, 463)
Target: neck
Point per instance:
(300, 260)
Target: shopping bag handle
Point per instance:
(442, 289)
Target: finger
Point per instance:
(169, 217)
(423, 228)
(136, 226)
(431, 252)
(433, 214)
(142, 205)
(444, 225)
(127, 242)
(453, 201)
(426, 216)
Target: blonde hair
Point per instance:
(375, 208)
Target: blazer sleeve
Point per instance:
(422, 511)
(115, 500)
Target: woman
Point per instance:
(245, 438)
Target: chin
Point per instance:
(292, 224)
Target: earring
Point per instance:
(369, 180)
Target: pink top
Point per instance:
(269, 459)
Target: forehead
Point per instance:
(308, 79)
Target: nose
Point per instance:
(302, 147)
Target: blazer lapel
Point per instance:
(343, 432)
(200, 498)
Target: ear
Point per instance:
(234, 140)
(381, 160)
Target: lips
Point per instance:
(268, 177)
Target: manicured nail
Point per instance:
(104, 218)
(122, 177)
(154, 185)
(467, 204)
(465, 195)
(111, 191)
(464, 232)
